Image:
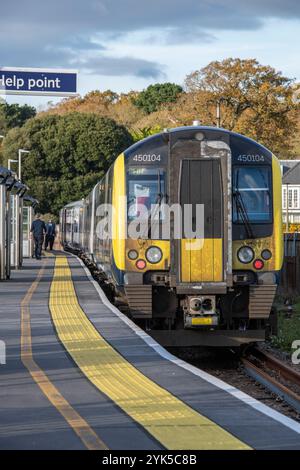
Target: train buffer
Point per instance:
(79, 374)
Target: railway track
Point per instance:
(275, 375)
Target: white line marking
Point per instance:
(266, 410)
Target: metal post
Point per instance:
(287, 209)
(218, 114)
(10, 161)
(2, 231)
(30, 241)
(21, 231)
(17, 233)
(8, 235)
(20, 161)
(13, 229)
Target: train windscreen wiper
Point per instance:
(242, 211)
(158, 202)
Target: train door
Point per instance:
(202, 181)
(202, 257)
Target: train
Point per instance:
(189, 283)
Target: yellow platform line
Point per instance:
(173, 423)
(77, 423)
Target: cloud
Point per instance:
(63, 33)
(121, 66)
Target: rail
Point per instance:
(275, 375)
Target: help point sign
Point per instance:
(23, 81)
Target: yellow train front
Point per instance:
(212, 287)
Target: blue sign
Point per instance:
(38, 82)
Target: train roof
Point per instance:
(188, 130)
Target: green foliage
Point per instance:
(288, 329)
(2, 120)
(15, 114)
(68, 155)
(139, 134)
(154, 96)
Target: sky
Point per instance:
(126, 45)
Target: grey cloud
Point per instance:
(187, 35)
(128, 15)
(61, 32)
(121, 66)
(84, 44)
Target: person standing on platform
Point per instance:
(38, 229)
(50, 234)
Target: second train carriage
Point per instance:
(217, 293)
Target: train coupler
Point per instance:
(200, 311)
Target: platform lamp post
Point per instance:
(20, 152)
(13, 225)
(20, 209)
(17, 211)
(218, 110)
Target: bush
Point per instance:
(68, 155)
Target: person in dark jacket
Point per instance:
(38, 229)
(50, 234)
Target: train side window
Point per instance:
(252, 185)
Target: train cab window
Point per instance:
(251, 191)
(145, 188)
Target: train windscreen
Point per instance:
(145, 191)
(251, 188)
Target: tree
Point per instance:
(118, 107)
(154, 96)
(68, 155)
(142, 133)
(255, 99)
(16, 115)
(2, 120)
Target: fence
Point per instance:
(290, 274)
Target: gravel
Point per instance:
(225, 365)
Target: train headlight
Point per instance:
(132, 254)
(245, 254)
(266, 254)
(154, 254)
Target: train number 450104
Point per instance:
(251, 158)
(147, 158)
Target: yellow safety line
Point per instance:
(173, 423)
(77, 423)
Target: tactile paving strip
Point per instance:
(169, 420)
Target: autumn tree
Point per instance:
(144, 132)
(255, 100)
(119, 107)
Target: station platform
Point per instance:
(80, 375)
